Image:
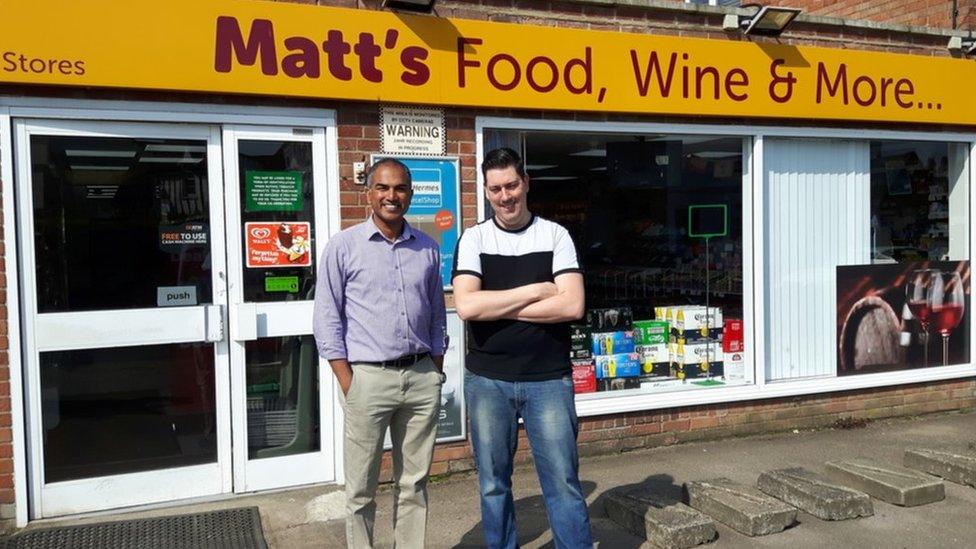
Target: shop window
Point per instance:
(866, 263)
(627, 200)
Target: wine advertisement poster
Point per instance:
(902, 315)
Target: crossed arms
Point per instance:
(543, 302)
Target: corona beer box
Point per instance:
(696, 317)
(579, 341)
(699, 359)
(612, 343)
(619, 365)
(655, 359)
(584, 376)
(651, 332)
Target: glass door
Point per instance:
(123, 276)
(276, 227)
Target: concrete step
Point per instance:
(815, 494)
(896, 485)
(741, 507)
(666, 524)
(958, 468)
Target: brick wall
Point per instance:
(926, 13)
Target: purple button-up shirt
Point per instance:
(378, 300)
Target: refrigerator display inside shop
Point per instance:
(685, 343)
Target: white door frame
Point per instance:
(30, 108)
(103, 328)
(282, 319)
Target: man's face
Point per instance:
(506, 193)
(389, 194)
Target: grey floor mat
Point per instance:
(226, 529)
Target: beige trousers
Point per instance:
(407, 400)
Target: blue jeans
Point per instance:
(549, 414)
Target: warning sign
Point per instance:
(271, 245)
(412, 130)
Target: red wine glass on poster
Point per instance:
(917, 295)
(948, 302)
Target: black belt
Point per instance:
(403, 361)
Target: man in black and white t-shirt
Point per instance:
(517, 282)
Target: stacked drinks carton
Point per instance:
(651, 339)
(734, 349)
(584, 371)
(696, 340)
(613, 347)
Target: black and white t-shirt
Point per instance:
(513, 350)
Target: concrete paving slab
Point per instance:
(958, 468)
(890, 483)
(741, 507)
(815, 494)
(665, 523)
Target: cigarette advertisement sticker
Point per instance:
(273, 191)
(273, 245)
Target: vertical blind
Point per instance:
(818, 211)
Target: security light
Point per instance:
(419, 6)
(959, 45)
(767, 21)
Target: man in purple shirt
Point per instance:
(380, 322)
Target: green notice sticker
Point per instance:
(273, 191)
(281, 284)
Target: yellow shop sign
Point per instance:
(282, 49)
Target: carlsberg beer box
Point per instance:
(698, 359)
(613, 343)
(610, 320)
(579, 341)
(619, 365)
(651, 332)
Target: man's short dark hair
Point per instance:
(389, 163)
(502, 158)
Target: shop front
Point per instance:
(754, 221)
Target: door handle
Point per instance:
(244, 322)
(214, 322)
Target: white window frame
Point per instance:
(752, 268)
(130, 111)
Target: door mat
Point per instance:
(226, 529)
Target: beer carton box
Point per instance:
(733, 336)
(579, 341)
(735, 367)
(612, 343)
(655, 359)
(651, 332)
(692, 336)
(609, 320)
(617, 384)
(584, 376)
(698, 359)
(618, 365)
(696, 317)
